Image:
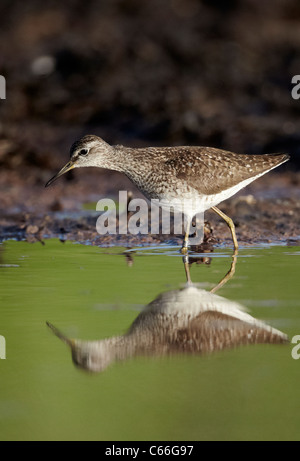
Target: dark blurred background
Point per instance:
(145, 72)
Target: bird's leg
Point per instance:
(187, 268)
(229, 223)
(184, 248)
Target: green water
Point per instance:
(250, 392)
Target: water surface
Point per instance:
(91, 293)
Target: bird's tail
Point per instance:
(279, 158)
(271, 161)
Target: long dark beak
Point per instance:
(60, 335)
(66, 168)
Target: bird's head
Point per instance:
(88, 151)
(92, 356)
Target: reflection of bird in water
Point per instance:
(188, 179)
(190, 320)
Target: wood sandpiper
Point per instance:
(188, 179)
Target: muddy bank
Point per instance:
(266, 212)
(174, 72)
(145, 73)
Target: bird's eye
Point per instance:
(83, 152)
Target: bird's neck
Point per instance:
(119, 158)
(130, 161)
(111, 158)
(127, 160)
(129, 345)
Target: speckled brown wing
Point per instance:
(211, 171)
(212, 331)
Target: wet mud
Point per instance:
(266, 212)
(146, 73)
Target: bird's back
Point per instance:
(212, 171)
(207, 170)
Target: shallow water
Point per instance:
(245, 392)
